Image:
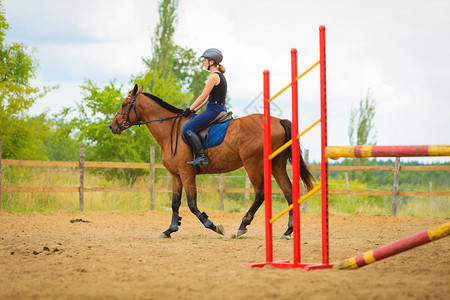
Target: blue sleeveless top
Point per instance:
(219, 92)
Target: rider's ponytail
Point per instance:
(221, 68)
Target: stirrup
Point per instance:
(201, 160)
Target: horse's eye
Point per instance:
(124, 104)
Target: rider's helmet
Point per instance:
(214, 54)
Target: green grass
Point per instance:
(234, 202)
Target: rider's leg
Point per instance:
(197, 147)
(190, 132)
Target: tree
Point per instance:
(188, 69)
(167, 88)
(361, 124)
(170, 75)
(94, 115)
(62, 143)
(361, 132)
(22, 135)
(172, 62)
(162, 41)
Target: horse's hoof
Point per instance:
(163, 236)
(285, 237)
(220, 230)
(241, 232)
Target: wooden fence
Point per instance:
(221, 189)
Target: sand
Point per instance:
(117, 255)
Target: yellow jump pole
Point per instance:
(306, 196)
(309, 69)
(297, 78)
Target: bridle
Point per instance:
(127, 124)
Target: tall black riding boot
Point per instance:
(197, 149)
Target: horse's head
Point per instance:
(127, 115)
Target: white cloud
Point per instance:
(97, 61)
(66, 95)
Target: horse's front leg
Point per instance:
(177, 189)
(191, 194)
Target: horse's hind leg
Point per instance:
(177, 189)
(191, 194)
(283, 181)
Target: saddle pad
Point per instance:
(216, 135)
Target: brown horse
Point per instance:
(242, 146)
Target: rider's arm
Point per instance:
(213, 80)
(203, 104)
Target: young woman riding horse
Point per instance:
(214, 95)
(242, 146)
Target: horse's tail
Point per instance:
(305, 173)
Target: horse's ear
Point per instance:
(135, 89)
(141, 89)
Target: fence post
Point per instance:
(396, 179)
(81, 188)
(221, 191)
(303, 192)
(152, 177)
(247, 186)
(1, 206)
(348, 187)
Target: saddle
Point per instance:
(204, 132)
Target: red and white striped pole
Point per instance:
(394, 248)
(336, 152)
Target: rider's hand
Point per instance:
(187, 112)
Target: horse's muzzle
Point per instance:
(115, 129)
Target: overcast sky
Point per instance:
(397, 49)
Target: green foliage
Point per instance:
(62, 143)
(188, 69)
(361, 132)
(94, 115)
(409, 180)
(361, 122)
(4, 26)
(414, 180)
(167, 88)
(181, 84)
(171, 74)
(162, 41)
(172, 63)
(22, 136)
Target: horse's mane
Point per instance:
(164, 104)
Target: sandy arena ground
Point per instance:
(118, 256)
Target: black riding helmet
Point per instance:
(213, 54)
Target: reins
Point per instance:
(128, 124)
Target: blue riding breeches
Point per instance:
(201, 120)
